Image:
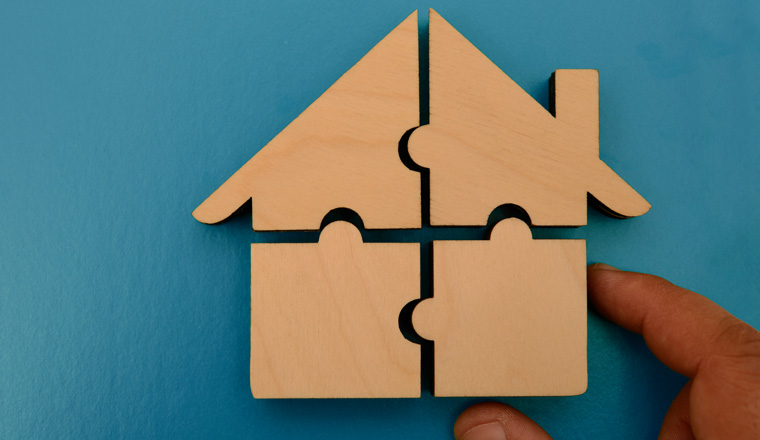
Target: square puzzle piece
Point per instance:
(324, 317)
(508, 315)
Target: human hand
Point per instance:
(687, 332)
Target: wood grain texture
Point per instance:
(508, 316)
(324, 317)
(341, 152)
(489, 143)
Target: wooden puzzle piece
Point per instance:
(324, 317)
(489, 143)
(341, 152)
(508, 315)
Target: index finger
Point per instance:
(682, 328)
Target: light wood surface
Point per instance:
(324, 317)
(489, 143)
(508, 315)
(341, 152)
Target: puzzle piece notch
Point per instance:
(508, 315)
(324, 317)
(490, 143)
(342, 151)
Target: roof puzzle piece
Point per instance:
(489, 143)
(324, 317)
(341, 152)
(508, 315)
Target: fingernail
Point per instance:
(488, 431)
(602, 266)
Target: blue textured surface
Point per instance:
(121, 316)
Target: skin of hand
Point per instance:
(687, 332)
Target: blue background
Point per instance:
(121, 316)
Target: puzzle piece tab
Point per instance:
(324, 317)
(508, 315)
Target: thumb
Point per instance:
(496, 421)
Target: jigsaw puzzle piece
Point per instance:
(324, 317)
(341, 152)
(508, 315)
(490, 143)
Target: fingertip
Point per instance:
(610, 288)
(475, 415)
(601, 279)
(494, 420)
(602, 266)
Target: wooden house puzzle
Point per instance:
(508, 314)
